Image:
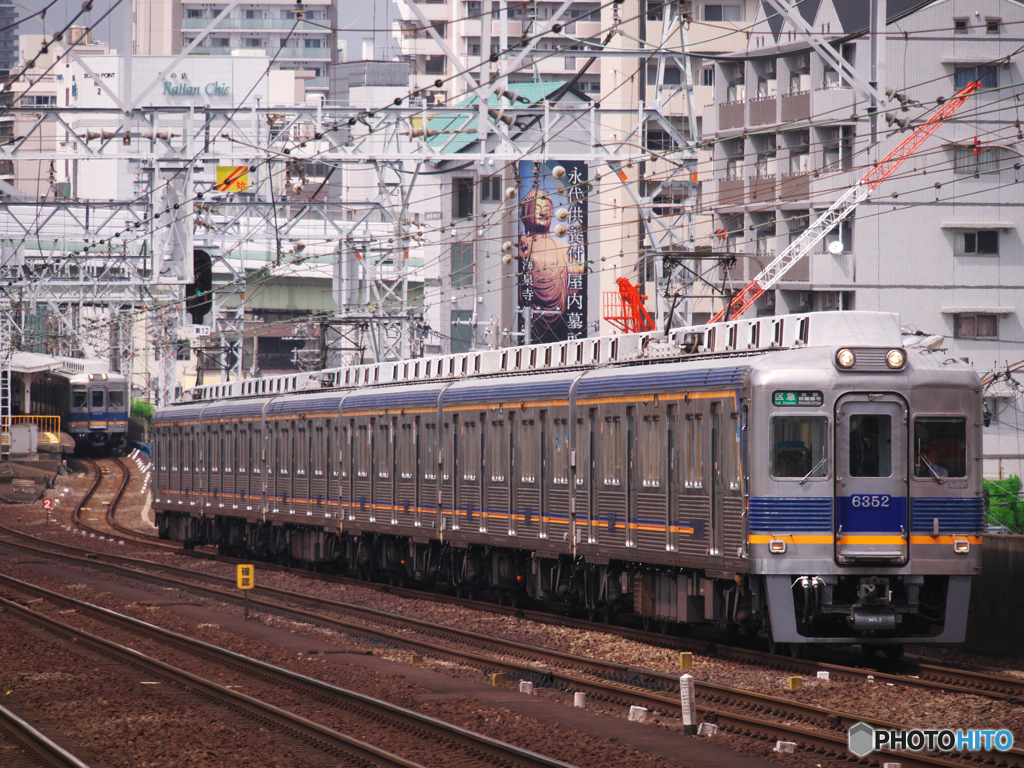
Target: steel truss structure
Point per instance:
(76, 274)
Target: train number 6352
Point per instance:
(872, 500)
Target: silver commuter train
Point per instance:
(91, 401)
(803, 476)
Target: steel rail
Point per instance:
(605, 680)
(34, 742)
(407, 721)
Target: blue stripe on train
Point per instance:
(779, 515)
(954, 515)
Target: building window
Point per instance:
(992, 26)
(462, 265)
(253, 42)
(195, 13)
(312, 43)
(490, 189)
(462, 330)
(972, 160)
(988, 74)
(976, 327)
(981, 242)
(708, 76)
(719, 12)
(434, 65)
(960, 26)
(462, 198)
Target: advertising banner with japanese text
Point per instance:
(553, 250)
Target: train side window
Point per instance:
(244, 448)
(694, 451)
(304, 440)
(116, 399)
(612, 451)
(528, 451)
(385, 444)
(257, 454)
(362, 450)
(430, 451)
(560, 452)
(284, 452)
(498, 451)
(407, 451)
(870, 445)
(226, 451)
(318, 452)
(653, 451)
(940, 447)
(470, 450)
(737, 463)
(800, 447)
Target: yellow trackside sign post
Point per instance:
(232, 178)
(246, 581)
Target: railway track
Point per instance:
(379, 720)
(109, 508)
(28, 747)
(905, 672)
(911, 674)
(815, 729)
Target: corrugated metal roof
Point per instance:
(448, 124)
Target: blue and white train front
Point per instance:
(865, 516)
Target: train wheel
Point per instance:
(894, 652)
(797, 650)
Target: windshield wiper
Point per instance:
(931, 468)
(814, 469)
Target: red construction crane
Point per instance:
(841, 209)
(625, 309)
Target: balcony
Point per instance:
(731, 193)
(515, 30)
(254, 24)
(762, 110)
(761, 189)
(317, 82)
(796, 107)
(301, 53)
(730, 115)
(795, 186)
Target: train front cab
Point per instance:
(101, 410)
(873, 533)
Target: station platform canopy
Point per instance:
(33, 362)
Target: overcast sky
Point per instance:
(357, 15)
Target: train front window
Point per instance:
(940, 447)
(97, 398)
(800, 446)
(870, 445)
(116, 399)
(79, 398)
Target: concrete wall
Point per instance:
(996, 623)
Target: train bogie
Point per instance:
(818, 492)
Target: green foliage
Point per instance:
(143, 409)
(1005, 506)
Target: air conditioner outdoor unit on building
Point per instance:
(803, 61)
(769, 67)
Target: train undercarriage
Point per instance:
(877, 612)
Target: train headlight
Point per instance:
(961, 546)
(896, 358)
(777, 547)
(845, 358)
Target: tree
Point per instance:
(143, 409)
(1005, 506)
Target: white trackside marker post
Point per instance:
(579, 699)
(688, 698)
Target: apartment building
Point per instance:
(269, 28)
(460, 24)
(940, 241)
(8, 35)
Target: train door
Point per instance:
(672, 482)
(717, 480)
(497, 479)
(871, 479)
(471, 488)
(97, 407)
(406, 500)
(514, 479)
(591, 469)
(632, 497)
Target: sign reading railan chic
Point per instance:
(187, 89)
